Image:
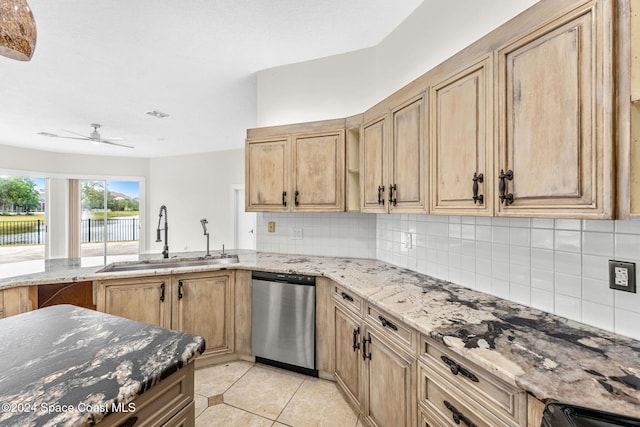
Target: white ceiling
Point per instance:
(112, 61)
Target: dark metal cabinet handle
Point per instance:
(347, 297)
(502, 187)
(457, 415)
(457, 369)
(295, 199)
(387, 324)
(284, 200)
(180, 289)
(381, 195)
(162, 292)
(356, 334)
(366, 356)
(477, 179)
(393, 189)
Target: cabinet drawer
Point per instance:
(348, 299)
(439, 407)
(391, 327)
(502, 399)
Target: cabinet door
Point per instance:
(462, 142)
(347, 357)
(203, 305)
(145, 299)
(408, 161)
(318, 172)
(555, 116)
(267, 174)
(390, 383)
(372, 165)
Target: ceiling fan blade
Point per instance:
(115, 143)
(115, 138)
(76, 133)
(53, 135)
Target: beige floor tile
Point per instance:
(215, 380)
(228, 416)
(201, 404)
(318, 403)
(264, 390)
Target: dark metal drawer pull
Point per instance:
(295, 199)
(477, 179)
(180, 289)
(347, 297)
(366, 356)
(162, 292)
(284, 200)
(457, 415)
(356, 344)
(381, 195)
(393, 200)
(387, 324)
(457, 369)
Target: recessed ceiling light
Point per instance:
(158, 114)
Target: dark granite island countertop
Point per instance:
(66, 365)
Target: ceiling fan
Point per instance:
(94, 136)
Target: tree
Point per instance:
(20, 192)
(92, 195)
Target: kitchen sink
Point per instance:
(172, 263)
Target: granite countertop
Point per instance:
(66, 366)
(551, 357)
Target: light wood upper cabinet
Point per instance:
(393, 160)
(318, 172)
(555, 118)
(203, 306)
(462, 142)
(267, 168)
(407, 175)
(372, 165)
(296, 168)
(146, 299)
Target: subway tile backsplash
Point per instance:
(559, 266)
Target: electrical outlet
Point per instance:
(622, 276)
(296, 234)
(271, 227)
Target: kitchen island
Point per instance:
(66, 365)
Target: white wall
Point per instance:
(348, 84)
(333, 87)
(193, 187)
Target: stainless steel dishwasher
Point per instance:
(283, 320)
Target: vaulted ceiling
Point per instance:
(112, 61)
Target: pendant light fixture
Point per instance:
(17, 30)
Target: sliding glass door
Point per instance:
(109, 221)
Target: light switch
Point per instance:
(271, 227)
(622, 276)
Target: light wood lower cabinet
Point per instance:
(145, 299)
(197, 303)
(348, 358)
(203, 304)
(389, 382)
(170, 403)
(18, 300)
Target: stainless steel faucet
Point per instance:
(165, 250)
(204, 222)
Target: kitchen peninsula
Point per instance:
(65, 365)
(536, 355)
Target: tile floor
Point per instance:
(246, 394)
